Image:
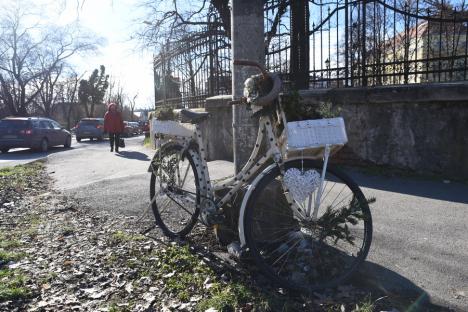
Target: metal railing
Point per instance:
(323, 43)
(193, 68)
(370, 42)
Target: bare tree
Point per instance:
(132, 105)
(49, 91)
(177, 20)
(115, 92)
(69, 95)
(31, 54)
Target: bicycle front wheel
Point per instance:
(303, 253)
(175, 191)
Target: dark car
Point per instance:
(128, 129)
(89, 128)
(136, 127)
(32, 132)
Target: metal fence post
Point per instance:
(346, 53)
(300, 43)
(363, 44)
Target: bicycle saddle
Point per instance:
(193, 117)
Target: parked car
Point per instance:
(128, 129)
(90, 128)
(32, 132)
(146, 129)
(136, 127)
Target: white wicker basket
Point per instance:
(173, 128)
(309, 134)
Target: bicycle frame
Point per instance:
(250, 169)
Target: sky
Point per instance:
(115, 21)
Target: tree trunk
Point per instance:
(86, 109)
(7, 98)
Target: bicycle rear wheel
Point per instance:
(302, 254)
(174, 186)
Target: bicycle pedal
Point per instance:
(236, 251)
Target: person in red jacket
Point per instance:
(114, 125)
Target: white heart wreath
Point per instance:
(301, 184)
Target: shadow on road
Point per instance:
(30, 154)
(87, 141)
(397, 290)
(435, 189)
(133, 155)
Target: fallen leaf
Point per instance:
(169, 275)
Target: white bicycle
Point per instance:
(306, 223)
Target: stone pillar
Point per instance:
(247, 41)
(218, 135)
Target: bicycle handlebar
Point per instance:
(275, 90)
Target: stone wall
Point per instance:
(418, 127)
(218, 128)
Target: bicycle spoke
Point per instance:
(325, 196)
(182, 207)
(342, 189)
(275, 239)
(167, 202)
(279, 241)
(287, 251)
(185, 176)
(284, 262)
(163, 172)
(269, 222)
(347, 196)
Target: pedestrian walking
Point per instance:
(114, 125)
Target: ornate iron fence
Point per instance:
(374, 42)
(277, 37)
(326, 43)
(193, 68)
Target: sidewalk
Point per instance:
(420, 240)
(420, 237)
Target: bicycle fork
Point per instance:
(313, 217)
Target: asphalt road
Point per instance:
(18, 156)
(420, 241)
